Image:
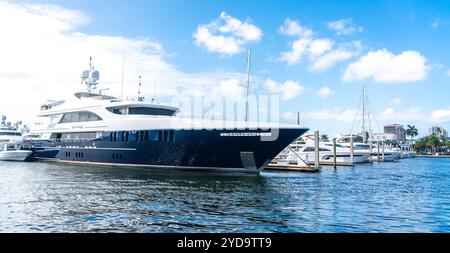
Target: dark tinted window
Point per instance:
(75, 136)
(11, 134)
(79, 117)
(150, 111)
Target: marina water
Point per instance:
(411, 195)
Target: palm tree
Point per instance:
(412, 131)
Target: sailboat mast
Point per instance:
(123, 74)
(248, 83)
(364, 115)
(369, 133)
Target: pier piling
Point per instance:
(316, 149)
(334, 153)
(378, 151)
(352, 157)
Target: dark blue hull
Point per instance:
(177, 149)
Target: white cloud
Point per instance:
(43, 54)
(448, 72)
(231, 88)
(226, 35)
(338, 114)
(342, 53)
(435, 24)
(331, 114)
(293, 28)
(299, 49)
(344, 27)
(396, 101)
(440, 115)
(322, 53)
(289, 115)
(410, 114)
(324, 92)
(287, 90)
(385, 67)
(319, 46)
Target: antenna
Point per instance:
(123, 74)
(90, 77)
(248, 82)
(140, 99)
(364, 115)
(154, 87)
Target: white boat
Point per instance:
(387, 155)
(10, 143)
(304, 148)
(12, 153)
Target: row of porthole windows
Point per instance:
(77, 154)
(117, 156)
(143, 136)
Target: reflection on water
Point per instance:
(407, 196)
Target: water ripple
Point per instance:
(406, 196)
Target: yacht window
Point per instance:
(10, 134)
(74, 137)
(159, 136)
(165, 136)
(142, 111)
(146, 136)
(141, 136)
(171, 139)
(79, 117)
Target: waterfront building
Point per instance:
(396, 129)
(438, 131)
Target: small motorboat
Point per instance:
(10, 152)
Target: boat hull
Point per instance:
(341, 157)
(388, 157)
(14, 155)
(212, 150)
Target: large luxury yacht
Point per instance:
(104, 130)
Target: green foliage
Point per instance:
(411, 131)
(432, 143)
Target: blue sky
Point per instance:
(409, 39)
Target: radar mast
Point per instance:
(90, 77)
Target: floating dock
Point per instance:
(292, 167)
(323, 163)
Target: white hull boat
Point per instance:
(14, 155)
(388, 156)
(327, 156)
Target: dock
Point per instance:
(433, 156)
(323, 163)
(292, 167)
